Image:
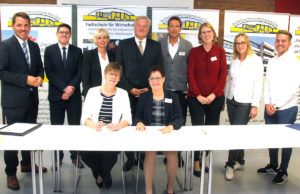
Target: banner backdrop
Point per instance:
(44, 20)
(118, 21)
(295, 30)
(261, 28)
(191, 22)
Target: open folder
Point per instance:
(19, 129)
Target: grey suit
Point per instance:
(176, 68)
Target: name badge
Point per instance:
(213, 58)
(168, 100)
(182, 53)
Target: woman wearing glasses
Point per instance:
(243, 91)
(158, 107)
(107, 107)
(207, 71)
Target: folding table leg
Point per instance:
(33, 172)
(202, 172)
(210, 172)
(40, 171)
(186, 170)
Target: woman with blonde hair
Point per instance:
(95, 61)
(243, 91)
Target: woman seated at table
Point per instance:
(105, 106)
(158, 107)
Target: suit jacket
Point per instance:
(60, 78)
(172, 109)
(91, 69)
(176, 68)
(14, 71)
(135, 65)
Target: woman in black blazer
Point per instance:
(159, 108)
(95, 61)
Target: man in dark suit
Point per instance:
(21, 72)
(63, 69)
(137, 55)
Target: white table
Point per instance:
(187, 138)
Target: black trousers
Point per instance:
(183, 104)
(205, 114)
(57, 115)
(100, 163)
(238, 114)
(26, 114)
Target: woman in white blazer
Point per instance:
(242, 91)
(105, 106)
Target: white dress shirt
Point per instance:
(245, 79)
(62, 51)
(173, 49)
(282, 81)
(27, 46)
(143, 43)
(103, 64)
(120, 106)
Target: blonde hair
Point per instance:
(206, 24)
(98, 33)
(113, 66)
(236, 54)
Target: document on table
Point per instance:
(19, 129)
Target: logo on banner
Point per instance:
(41, 19)
(109, 14)
(254, 25)
(189, 22)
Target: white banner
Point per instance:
(261, 29)
(44, 20)
(191, 22)
(295, 30)
(118, 21)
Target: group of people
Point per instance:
(146, 83)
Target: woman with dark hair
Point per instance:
(158, 107)
(207, 71)
(105, 106)
(243, 91)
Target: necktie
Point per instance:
(141, 47)
(64, 57)
(24, 47)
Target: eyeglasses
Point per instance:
(114, 74)
(152, 79)
(240, 43)
(64, 32)
(206, 32)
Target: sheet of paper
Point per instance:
(18, 127)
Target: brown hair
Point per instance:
(285, 32)
(22, 15)
(113, 66)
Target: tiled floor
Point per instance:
(247, 181)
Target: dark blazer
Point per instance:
(135, 65)
(173, 115)
(91, 69)
(60, 78)
(14, 71)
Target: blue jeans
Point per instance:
(287, 116)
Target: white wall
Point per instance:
(149, 3)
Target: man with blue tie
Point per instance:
(63, 69)
(21, 73)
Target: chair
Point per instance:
(138, 170)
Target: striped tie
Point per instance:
(26, 53)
